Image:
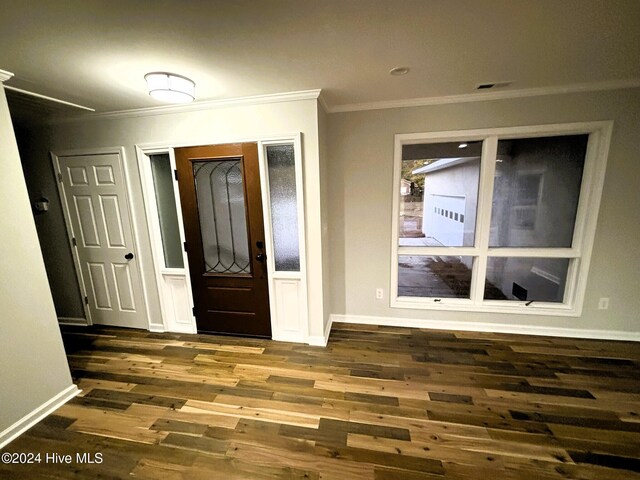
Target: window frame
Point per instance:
(579, 252)
(151, 207)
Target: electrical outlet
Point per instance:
(603, 303)
(379, 293)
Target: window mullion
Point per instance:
(438, 251)
(535, 252)
(483, 219)
(571, 281)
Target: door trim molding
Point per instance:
(322, 340)
(146, 183)
(73, 321)
(147, 148)
(120, 151)
(301, 333)
(57, 171)
(148, 197)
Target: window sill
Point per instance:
(465, 305)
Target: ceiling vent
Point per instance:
(486, 86)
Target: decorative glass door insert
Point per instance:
(223, 221)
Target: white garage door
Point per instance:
(445, 214)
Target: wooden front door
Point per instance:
(222, 211)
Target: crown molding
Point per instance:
(323, 103)
(487, 96)
(353, 107)
(197, 106)
(50, 99)
(4, 75)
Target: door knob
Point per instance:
(261, 257)
(129, 256)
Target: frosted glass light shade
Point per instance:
(169, 87)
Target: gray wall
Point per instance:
(356, 189)
(360, 202)
(216, 125)
(41, 182)
(33, 365)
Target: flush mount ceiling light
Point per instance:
(398, 71)
(463, 145)
(170, 87)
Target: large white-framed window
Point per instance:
(497, 219)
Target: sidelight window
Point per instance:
(496, 220)
(162, 176)
(284, 206)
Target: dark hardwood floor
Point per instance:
(378, 403)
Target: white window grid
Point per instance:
(579, 254)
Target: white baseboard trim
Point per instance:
(321, 340)
(489, 327)
(293, 337)
(76, 321)
(159, 328)
(29, 420)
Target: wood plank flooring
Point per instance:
(378, 403)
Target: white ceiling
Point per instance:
(95, 53)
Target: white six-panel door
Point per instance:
(94, 195)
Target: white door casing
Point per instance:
(174, 284)
(93, 192)
(287, 290)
